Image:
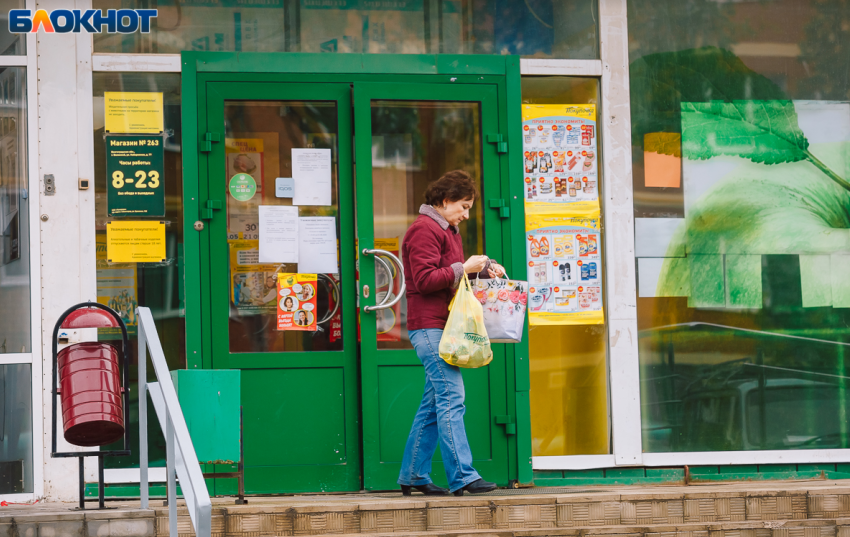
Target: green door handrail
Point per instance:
(181, 459)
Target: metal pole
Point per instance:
(100, 484)
(842, 395)
(82, 482)
(172, 484)
(143, 414)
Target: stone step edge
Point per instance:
(69, 515)
(631, 530)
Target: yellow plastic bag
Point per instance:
(465, 342)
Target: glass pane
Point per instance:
(15, 315)
(414, 143)
(741, 153)
(259, 139)
(533, 28)
(11, 44)
(156, 286)
(569, 371)
(16, 459)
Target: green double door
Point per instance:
(330, 409)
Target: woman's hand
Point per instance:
(495, 270)
(475, 264)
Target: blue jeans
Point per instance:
(440, 417)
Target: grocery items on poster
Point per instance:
(559, 154)
(561, 190)
(253, 286)
(504, 302)
(564, 268)
(296, 301)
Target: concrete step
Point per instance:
(750, 508)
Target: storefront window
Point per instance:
(11, 44)
(158, 286)
(569, 373)
(16, 456)
(533, 28)
(15, 287)
(740, 133)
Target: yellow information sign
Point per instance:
(135, 242)
(129, 112)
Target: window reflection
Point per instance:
(156, 286)
(740, 133)
(16, 457)
(414, 143)
(569, 370)
(15, 315)
(532, 28)
(11, 44)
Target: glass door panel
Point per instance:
(409, 135)
(414, 143)
(259, 139)
(296, 384)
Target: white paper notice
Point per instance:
(278, 234)
(311, 170)
(317, 245)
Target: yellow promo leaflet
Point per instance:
(564, 267)
(560, 158)
(133, 112)
(135, 242)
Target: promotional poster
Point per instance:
(252, 285)
(560, 158)
(296, 302)
(564, 268)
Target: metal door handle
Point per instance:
(384, 304)
(334, 290)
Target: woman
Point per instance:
(288, 304)
(302, 318)
(433, 267)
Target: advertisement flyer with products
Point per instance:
(564, 268)
(253, 287)
(560, 157)
(296, 301)
(117, 287)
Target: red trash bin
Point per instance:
(90, 391)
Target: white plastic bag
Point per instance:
(504, 302)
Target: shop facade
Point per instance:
(710, 143)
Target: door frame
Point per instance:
(200, 68)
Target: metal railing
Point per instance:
(181, 460)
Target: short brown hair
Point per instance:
(455, 185)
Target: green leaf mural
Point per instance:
(761, 131)
(661, 82)
(779, 203)
(734, 110)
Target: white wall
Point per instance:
(67, 238)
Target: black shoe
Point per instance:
(476, 487)
(429, 489)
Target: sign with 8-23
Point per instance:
(134, 175)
